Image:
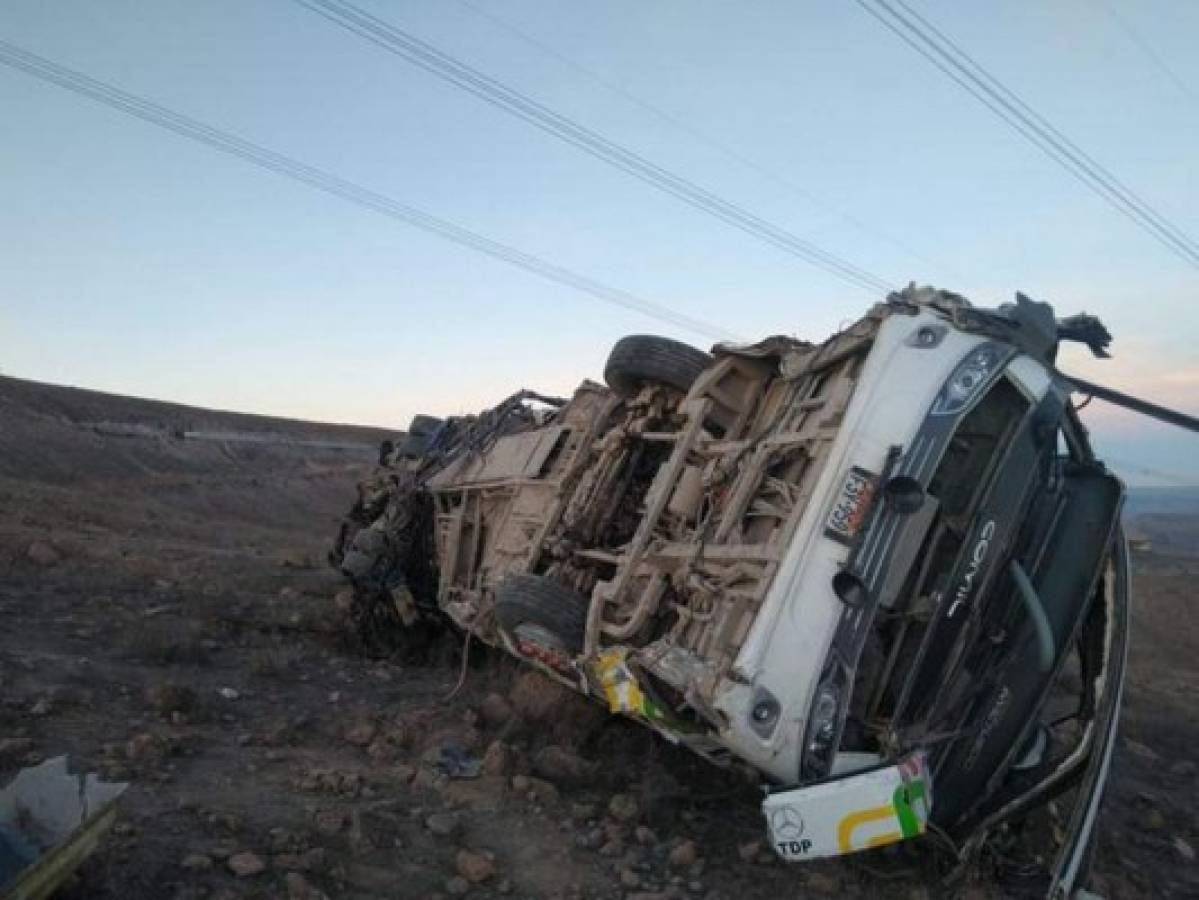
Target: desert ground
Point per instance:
(167, 618)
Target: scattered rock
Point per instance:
(299, 888)
(229, 693)
(330, 821)
(43, 553)
(536, 698)
(645, 836)
(821, 883)
(459, 738)
(475, 867)
(246, 864)
(197, 862)
(684, 854)
(624, 807)
(457, 886)
(591, 840)
(330, 781)
(398, 733)
(284, 839)
(749, 851)
(560, 764)
(381, 751)
(42, 707)
(343, 600)
(537, 789)
(427, 780)
(145, 747)
(497, 760)
(295, 559)
(484, 793)
(167, 698)
(1185, 850)
(362, 734)
(1184, 768)
(495, 710)
(222, 849)
(444, 824)
(404, 772)
(629, 878)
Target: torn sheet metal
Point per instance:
(50, 821)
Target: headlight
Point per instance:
(968, 379)
(824, 717)
(824, 725)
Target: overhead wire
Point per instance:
(1147, 49)
(444, 66)
(931, 43)
(39, 67)
(703, 137)
(1092, 167)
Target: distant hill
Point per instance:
(1168, 517)
(64, 434)
(80, 406)
(1158, 500)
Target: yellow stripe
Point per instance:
(851, 822)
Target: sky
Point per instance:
(135, 261)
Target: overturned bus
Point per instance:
(886, 570)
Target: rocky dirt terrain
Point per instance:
(166, 618)
(1166, 518)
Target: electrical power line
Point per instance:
(434, 61)
(924, 37)
(40, 67)
(1153, 56)
(704, 138)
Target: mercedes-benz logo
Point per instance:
(786, 823)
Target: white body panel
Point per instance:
(787, 645)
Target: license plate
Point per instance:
(849, 511)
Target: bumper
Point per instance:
(858, 812)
